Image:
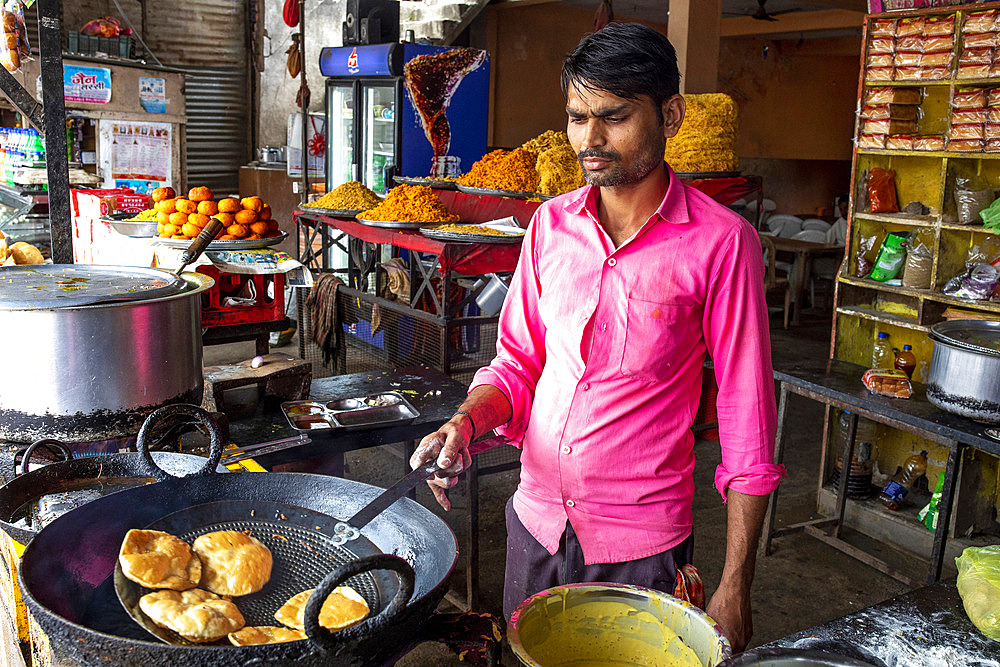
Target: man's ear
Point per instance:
(673, 115)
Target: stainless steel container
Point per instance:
(89, 351)
(964, 377)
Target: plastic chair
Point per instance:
(771, 279)
(790, 225)
(816, 223)
(767, 209)
(812, 235)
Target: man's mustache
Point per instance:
(598, 153)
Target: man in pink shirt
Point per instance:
(622, 288)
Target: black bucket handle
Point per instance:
(332, 641)
(186, 409)
(54, 446)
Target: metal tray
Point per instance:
(239, 244)
(490, 192)
(389, 224)
(462, 237)
(350, 413)
(435, 183)
(133, 228)
(332, 212)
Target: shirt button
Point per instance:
(570, 503)
(604, 327)
(612, 261)
(566, 449)
(586, 386)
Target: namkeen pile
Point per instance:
(149, 215)
(410, 203)
(351, 196)
(558, 168)
(707, 139)
(470, 229)
(504, 170)
(184, 217)
(18, 253)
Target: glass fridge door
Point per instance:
(340, 106)
(379, 147)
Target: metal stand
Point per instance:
(50, 120)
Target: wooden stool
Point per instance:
(281, 375)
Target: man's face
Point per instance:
(618, 141)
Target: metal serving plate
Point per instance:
(354, 412)
(435, 183)
(693, 175)
(468, 237)
(491, 192)
(239, 244)
(120, 223)
(388, 224)
(332, 212)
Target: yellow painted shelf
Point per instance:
(967, 228)
(879, 316)
(932, 295)
(898, 219)
(965, 155)
(914, 83)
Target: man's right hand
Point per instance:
(450, 446)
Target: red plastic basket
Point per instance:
(215, 312)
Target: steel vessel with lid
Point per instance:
(90, 351)
(964, 377)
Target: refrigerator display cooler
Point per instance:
(403, 109)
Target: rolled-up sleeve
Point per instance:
(520, 342)
(736, 334)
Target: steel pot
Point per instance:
(786, 657)
(90, 351)
(964, 377)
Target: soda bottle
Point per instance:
(905, 361)
(897, 487)
(882, 352)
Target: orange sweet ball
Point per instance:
(272, 226)
(166, 206)
(159, 194)
(186, 205)
(200, 194)
(239, 231)
(169, 231)
(227, 218)
(265, 213)
(254, 204)
(246, 217)
(259, 227)
(208, 208)
(229, 205)
(190, 230)
(178, 219)
(162, 218)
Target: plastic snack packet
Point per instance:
(886, 382)
(890, 258)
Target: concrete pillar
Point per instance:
(693, 28)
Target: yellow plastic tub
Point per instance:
(586, 625)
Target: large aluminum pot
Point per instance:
(787, 657)
(964, 376)
(82, 373)
(607, 623)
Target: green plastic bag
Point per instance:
(890, 257)
(991, 216)
(979, 585)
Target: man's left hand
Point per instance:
(730, 607)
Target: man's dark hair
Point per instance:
(624, 59)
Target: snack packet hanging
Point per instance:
(882, 191)
(979, 586)
(14, 47)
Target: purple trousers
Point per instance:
(531, 568)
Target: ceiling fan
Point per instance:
(761, 14)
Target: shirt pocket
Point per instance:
(657, 335)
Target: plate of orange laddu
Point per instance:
(247, 222)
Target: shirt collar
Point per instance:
(672, 209)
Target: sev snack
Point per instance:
(149, 215)
(504, 170)
(559, 170)
(707, 139)
(351, 196)
(410, 203)
(545, 141)
(470, 229)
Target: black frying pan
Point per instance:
(36, 497)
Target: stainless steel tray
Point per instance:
(463, 237)
(355, 412)
(435, 183)
(693, 175)
(389, 224)
(120, 223)
(332, 212)
(491, 192)
(239, 244)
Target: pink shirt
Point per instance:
(600, 352)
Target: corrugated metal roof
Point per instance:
(198, 32)
(218, 127)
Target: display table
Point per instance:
(924, 627)
(838, 384)
(804, 252)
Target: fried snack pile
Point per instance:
(545, 141)
(469, 229)
(149, 215)
(707, 139)
(18, 253)
(183, 218)
(410, 203)
(504, 170)
(351, 196)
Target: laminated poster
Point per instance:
(152, 94)
(135, 151)
(90, 85)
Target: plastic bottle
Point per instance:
(882, 356)
(901, 483)
(905, 361)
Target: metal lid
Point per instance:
(73, 285)
(980, 336)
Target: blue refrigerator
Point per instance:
(403, 109)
